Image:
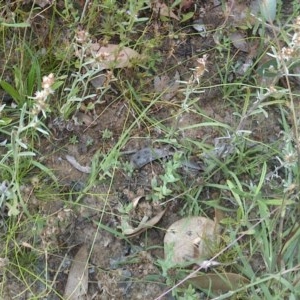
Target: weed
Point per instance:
(89, 142)
(128, 168)
(162, 190)
(107, 134)
(73, 139)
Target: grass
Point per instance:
(243, 129)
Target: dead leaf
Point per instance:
(238, 40)
(72, 160)
(136, 201)
(168, 87)
(98, 81)
(217, 283)
(110, 56)
(239, 14)
(191, 238)
(77, 284)
(41, 3)
(186, 4)
(3, 262)
(147, 155)
(199, 26)
(219, 215)
(161, 83)
(163, 10)
(144, 225)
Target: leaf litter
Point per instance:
(138, 160)
(167, 87)
(200, 237)
(77, 283)
(162, 9)
(191, 239)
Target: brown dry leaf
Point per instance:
(136, 201)
(219, 216)
(3, 262)
(192, 238)
(168, 87)
(112, 56)
(77, 284)
(41, 3)
(186, 4)
(72, 160)
(161, 83)
(238, 40)
(144, 225)
(163, 10)
(239, 14)
(217, 283)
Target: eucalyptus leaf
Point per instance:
(77, 284)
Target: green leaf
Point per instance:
(46, 170)
(268, 69)
(268, 9)
(236, 196)
(13, 209)
(5, 121)
(57, 84)
(18, 25)
(9, 89)
(187, 16)
(111, 230)
(262, 179)
(32, 77)
(26, 154)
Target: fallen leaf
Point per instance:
(186, 4)
(110, 56)
(239, 14)
(161, 83)
(77, 284)
(217, 283)
(41, 3)
(144, 225)
(147, 155)
(4, 262)
(72, 160)
(166, 86)
(163, 10)
(238, 40)
(191, 238)
(199, 26)
(219, 215)
(136, 200)
(98, 81)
